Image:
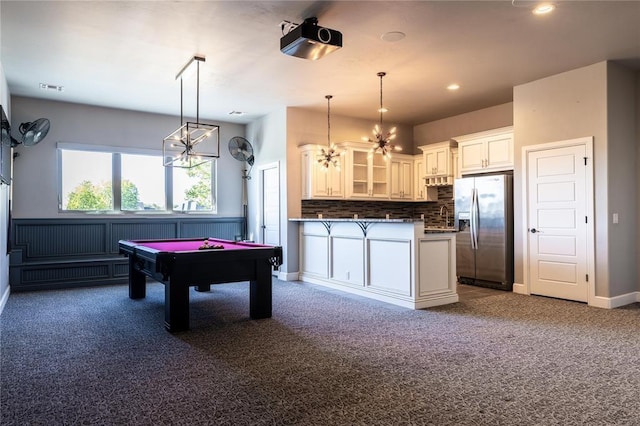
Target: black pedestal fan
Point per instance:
(241, 150)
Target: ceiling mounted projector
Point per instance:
(310, 41)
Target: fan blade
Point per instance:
(34, 132)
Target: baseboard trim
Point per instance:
(4, 298)
(598, 301)
(288, 276)
(520, 288)
(616, 301)
(424, 302)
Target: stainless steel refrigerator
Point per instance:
(484, 221)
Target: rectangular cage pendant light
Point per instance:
(193, 143)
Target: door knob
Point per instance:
(533, 230)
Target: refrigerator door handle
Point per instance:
(473, 220)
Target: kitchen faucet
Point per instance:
(444, 209)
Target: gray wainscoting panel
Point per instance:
(121, 269)
(68, 273)
(224, 230)
(142, 231)
(62, 253)
(56, 239)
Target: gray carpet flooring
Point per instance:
(94, 357)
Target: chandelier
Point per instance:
(382, 141)
(193, 143)
(330, 155)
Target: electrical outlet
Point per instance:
(615, 218)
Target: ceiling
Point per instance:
(126, 54)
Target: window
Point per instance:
(86, 180)
(192, 188)
(142, 183)
(110, 180)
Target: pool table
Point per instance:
(200, 262)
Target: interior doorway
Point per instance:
(269, 184)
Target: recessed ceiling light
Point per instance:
(544, 8)
(393, 36)
(453, 86)
(51, 87)
(237, 113)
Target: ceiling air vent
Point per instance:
(51, 87)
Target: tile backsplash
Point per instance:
(379, 209)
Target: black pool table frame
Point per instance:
(200, 268)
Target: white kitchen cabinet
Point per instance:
(454, 163)
(319, 182)
(421, 191)
(485, 151)
(367, 174)
(401, 177)
(438, 164)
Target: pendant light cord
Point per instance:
(181, 108)
(381, 74)
(329, 120)
(197, 92)
(197, 95)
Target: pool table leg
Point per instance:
(176, 305)
(203, 287)
(260, 291)
(137, 282)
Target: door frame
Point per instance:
(587, 142)
(261, 169)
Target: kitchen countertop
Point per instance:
(427, 229)
(350, 219)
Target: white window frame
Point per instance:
(116, 177)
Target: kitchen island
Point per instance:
(391, 260)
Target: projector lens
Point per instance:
(324, 35)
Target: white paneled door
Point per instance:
(558, 221)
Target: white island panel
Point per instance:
(347, 259)
(314, 249)
(390, 266)
(435, 271)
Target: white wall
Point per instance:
(268, 136)
(310, 127)
(35, 170)
(571, 105)
(493, 117)
(622, 181)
